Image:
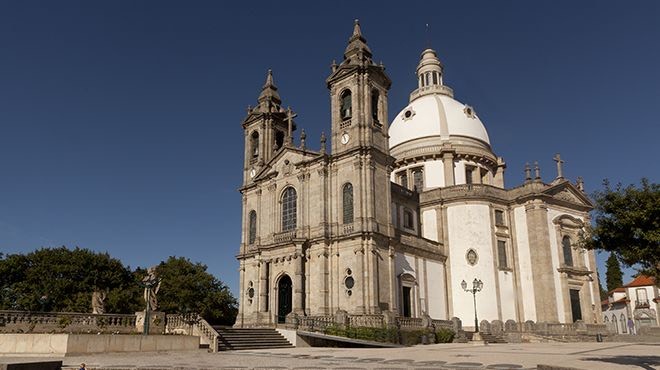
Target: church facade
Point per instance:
(403, 217)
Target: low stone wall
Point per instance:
(65, 322)
(72, 344)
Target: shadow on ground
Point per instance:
(645, 362)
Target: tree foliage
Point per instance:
(627, 223)
(613, 274)
(63, 280)
(188, 287)
(60, 279)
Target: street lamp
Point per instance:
(476, 287)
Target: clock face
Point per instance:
(345, 138)
(253, 172)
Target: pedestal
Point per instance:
(156, 325)
(478, 340)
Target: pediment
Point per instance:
(284, 162)
(567, 192)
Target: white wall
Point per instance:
(525, 264)
(469, 228)
(435, 275)
(507, 295)
(434, 174)
(459, 172)
(430, 224)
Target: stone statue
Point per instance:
(151, 284)
(98, 302)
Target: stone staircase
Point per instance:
(489, 338)
(253, 338)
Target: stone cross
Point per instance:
(560, 172)
(289, 118)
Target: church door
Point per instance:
(576, 308)
(284, 298)
(407, 306)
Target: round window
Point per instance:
(407, 114)
(349, 282)
(349, 272)
(250, 292)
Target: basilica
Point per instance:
(409, 217)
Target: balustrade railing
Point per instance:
(410, 322)
(284, 236)
(370, 321)
(65, 322)
(193, 324)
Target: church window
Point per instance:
(289, 200)
(428, 78)
(279, 139)
(468, 174)
(252, 227)
(345, 105)
(501, 254)
(568, 253)
(408, 219)
(472, 257)
(375, 97)
(435, 78)
(347, 202)
(499, 218)
(418, 179)
(254, 144)
(403, 178)
(642, 298)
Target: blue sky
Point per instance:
(120, 121)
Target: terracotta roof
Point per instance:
(607, 302)
(618, 290)
(641, 280)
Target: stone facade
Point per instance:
(392, 218)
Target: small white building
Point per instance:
(638, 300)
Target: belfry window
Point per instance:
(435, 78)
(347, 202)
(252, 227)
(408, 222)
(289, 203)
(254, 144)
(568, 253)
(279, 139)
(346, 105)
(375, 97)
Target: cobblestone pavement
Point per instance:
(439, 356)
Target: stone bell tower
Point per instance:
(268, 127)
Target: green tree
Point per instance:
(62, 280)
(627, 223)
(188, 287)
(613, 275)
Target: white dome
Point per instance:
(436, 115)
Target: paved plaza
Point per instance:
(438, 356)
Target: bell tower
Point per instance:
(268, 127)
(358, 93)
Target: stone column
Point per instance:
(361, 279)
(263, 286)
(541, 257)
(448, 162)
(298, 288)
(498, 179)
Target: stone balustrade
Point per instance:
(65, 322)
(284, 236)
(193, 324)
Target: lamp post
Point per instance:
(476, 287)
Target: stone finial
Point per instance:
(580, 183)
(334, 65)
(249, 109)
(357, 32)
(537, 171)
(528, 172)
(269, 78)
(303, 136)
(560, 172)
(323, 140)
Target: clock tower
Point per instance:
(358, 92)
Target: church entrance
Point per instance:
(407, 306)
(576, 308)
(284, 298)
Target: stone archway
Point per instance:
(284, 298)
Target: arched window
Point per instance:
(252, 227)
(289, 200)
(375, 96)
(346, 105)
(568, 254)
(435, 78)
(347, 202)
(614, 323)
(408, 222)
(254, 144)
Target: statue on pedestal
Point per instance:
(98, 302)
(151, 284)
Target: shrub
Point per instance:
(444, 335)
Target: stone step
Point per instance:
(250, 338)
